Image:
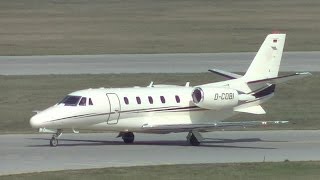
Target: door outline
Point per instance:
(114, 108)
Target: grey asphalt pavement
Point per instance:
(148, 63)
(32, 153)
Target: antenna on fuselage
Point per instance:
(151, 84)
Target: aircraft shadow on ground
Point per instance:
(208, 142)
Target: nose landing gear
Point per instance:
(54, 140)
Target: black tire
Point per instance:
(54, 142)
(128, 138)
(194, 141)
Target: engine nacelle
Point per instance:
(215, 98)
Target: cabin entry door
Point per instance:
(114, 105)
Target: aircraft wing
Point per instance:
(206, 127)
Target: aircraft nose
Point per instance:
(35, 121)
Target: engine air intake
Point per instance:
(197, 95)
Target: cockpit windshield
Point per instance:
(70, 100)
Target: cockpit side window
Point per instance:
(70, 100)
(90, 102)
(83, 101)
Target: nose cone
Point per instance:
(35, 121)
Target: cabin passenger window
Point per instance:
(177, 99)
(90, 102)
(163, 100)
(138, 100)
(150, 99)
(126, 100)
(83, 101)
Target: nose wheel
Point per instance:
(54, 140)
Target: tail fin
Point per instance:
(266, 63)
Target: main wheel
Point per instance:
(128, 137)
(194, 141)
(54, 142)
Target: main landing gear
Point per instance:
(54, 140)
(194, 138)
(127, 137)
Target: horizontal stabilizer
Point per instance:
(226, 74)
(281, 79)
(252, 110)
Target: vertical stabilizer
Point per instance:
(266, 63)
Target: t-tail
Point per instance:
(267, 61)
(265, 65)
(260, 80)
(262, 74)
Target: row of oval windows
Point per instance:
(162, 99)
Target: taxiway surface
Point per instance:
(32, 153)
(148, 63)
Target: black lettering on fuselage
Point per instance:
(216, 96)
(224, 96)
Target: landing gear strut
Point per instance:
(128, 137)
(194, 138)
(54, 140)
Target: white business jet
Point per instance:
(170, 108)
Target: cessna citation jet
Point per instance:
(170, 108)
